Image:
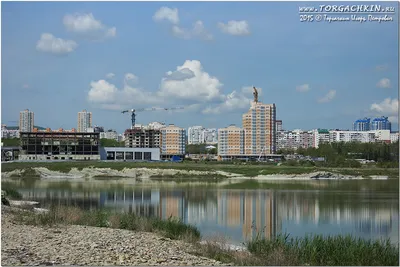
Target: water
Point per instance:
(367, 209)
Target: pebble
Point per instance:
(78, 245)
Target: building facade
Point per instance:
(143, 138)
(59, 145)
(210, 136)
(84, 121)
(381, 123)
(128, 153)
(259, 124)
(195, 135)
(110, 134)
(394, 137)
(173, 141)
(26, 121)
(294, 139)
(231, 141)
(320, 136)
(362, 124)
(279, 125)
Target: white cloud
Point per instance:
(166, 13)
(51, 44)
(328, 97)
(234, 101)
(110, 75)
(234, 27)
(180, 32)
(189, 84)
(198, 31)
(86, 25)
(384, 83)
(130, 77)
(303, 88)
(388, 107)
(197, 85)
(25, 86)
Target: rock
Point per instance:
(31, 245)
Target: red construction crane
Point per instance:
(133, 112)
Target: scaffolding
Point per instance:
(142, 138)
(59, 145)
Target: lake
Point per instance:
(367, 209)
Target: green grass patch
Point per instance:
(328, 251)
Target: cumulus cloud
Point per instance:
(188, 84)
(197, 31)
(384, 83)
(388, 107)
(328, 97)
(110, 75)
(303, 88)
(87, 26)
(51, 44)
(130, 77)
(168, 14)
(235, 27)
(233, 101)
(197, 84)
(179, 75)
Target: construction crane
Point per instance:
(133, 112)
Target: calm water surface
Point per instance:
(239, 214)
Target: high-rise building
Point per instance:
(259, 124)
(381, 123)
(26, 121)
(195, 135)
(362, 124)
(210, 136)
(173, 141)
(279, 125)
(84, 121)
(230, 141)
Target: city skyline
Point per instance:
(202, 61)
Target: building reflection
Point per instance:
(245, 212)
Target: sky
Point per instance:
(61, 58)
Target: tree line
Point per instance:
(382, 153)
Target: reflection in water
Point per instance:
(241, 214)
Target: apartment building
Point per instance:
(279, 125)
(84, 121)
(172, 141)
(26, 121)
(352, 136)
(259, 124)
(294, 139)
(109, 134)
(394, 137)
(195, 135)
(320, 136)
(231, 141)
(210, 136)
(141, 137)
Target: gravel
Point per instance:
(81, 245)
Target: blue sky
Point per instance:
(201, 55)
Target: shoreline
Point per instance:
(146, 174)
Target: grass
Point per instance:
(11, 193)
(314, 250)
(280, 250)
(171, 228)
(244, 169)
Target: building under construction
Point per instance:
(143, 138)
(59, 146)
